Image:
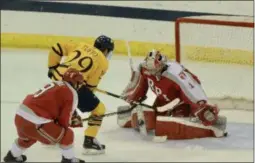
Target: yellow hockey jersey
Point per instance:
(90, 61)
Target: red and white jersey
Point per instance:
(175, 82)
(55, 101)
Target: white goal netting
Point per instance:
(219, 49)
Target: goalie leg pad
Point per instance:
(183, 128)
(221, 122)
(150, 119)
(124, 119)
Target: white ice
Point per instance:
(24, 71)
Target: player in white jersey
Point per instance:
(193, 117)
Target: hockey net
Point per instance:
(219, 50)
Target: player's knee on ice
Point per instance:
(48, 133)
(68, 139)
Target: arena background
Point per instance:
(29, 28)
(145, 24)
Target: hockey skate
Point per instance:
(10, 158)
(74, 160)
(92, 146)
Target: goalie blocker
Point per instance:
(172, 127)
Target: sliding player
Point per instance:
(92, 62)
(170, 80)
(44, 116)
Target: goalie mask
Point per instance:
(155, 61)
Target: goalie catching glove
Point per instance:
(207, 114)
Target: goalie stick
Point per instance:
(131, 63)
(168, 106)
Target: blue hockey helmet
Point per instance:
(104, 43)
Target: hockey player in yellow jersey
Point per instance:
(92, 62)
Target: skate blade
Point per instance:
(93, 152)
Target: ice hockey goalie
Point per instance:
(192, 118)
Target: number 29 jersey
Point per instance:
(83, 57)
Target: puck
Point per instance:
(225, 134)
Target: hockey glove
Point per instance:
(208, 114)
(76, 120)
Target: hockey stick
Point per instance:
(169, 106)
(114, 113)
(120, 97)
(131, 63)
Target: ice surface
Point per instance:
(24, 71)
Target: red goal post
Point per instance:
(189, 31)
(213, 20)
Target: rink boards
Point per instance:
(155, 29)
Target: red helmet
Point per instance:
(73, 76)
